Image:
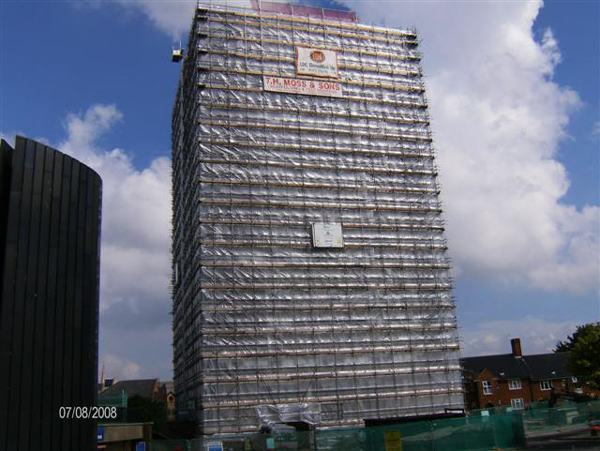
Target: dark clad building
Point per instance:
(49, 282)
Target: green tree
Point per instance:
(567, 345)
(584, 361)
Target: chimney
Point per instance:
(515, 343)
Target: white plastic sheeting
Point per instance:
(289, 413)
(263, 318)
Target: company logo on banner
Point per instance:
(301, 86)
(317, 56)
(322, 63)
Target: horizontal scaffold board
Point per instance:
(414, 367)
(215, 86)
(330, 168)
(309, 185)
(331, 398)
(269, 57)
(320, 265)
(349, 115)
(303, 286)
(312, 205)
(290, 328)
(201, 33)
(266, 20)
(306, 147)
(332, 306)
(291, 126)
(368, 226)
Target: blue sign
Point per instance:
(140, 446)
(215, 446)
(100, 433)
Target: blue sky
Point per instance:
(95, 79)
(575, 25)
(59, 59)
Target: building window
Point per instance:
(517, 403)
(546, 385)
(487, 387)
(514, 384)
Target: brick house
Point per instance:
(515, 380)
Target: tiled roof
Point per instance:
(140, 387)
(507, 366)
(548, 366)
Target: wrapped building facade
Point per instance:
(309, 262)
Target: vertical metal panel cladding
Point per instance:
(49, 297)
(309, 256)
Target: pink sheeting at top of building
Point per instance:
(306, 11)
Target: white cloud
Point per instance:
(135, 213)
(134, 338)
(498, 118)
(122, 369)
(174, 17)
(135, 247)
(493, 337)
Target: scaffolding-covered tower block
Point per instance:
(310, 271)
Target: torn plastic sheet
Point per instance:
(286, 413)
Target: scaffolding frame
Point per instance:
(261, 316)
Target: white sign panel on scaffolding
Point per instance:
(322, 63)
(301, 86)
(327, 234)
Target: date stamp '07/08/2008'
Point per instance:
(87, 413)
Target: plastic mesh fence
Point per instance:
(509, 430)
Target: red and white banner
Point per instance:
(322, 63)
(300, 86)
